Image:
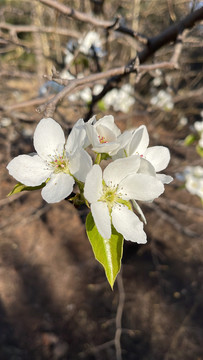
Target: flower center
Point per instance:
(109, 195)
(60, 164)
(102, 139)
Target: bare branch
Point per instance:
(42, 29)
(109, 25)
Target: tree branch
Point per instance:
(109, 25)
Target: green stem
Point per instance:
(98, 159)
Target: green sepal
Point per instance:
(21, 187)
(199, 150)
(107, 251)
(190, 139)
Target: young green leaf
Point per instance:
(199, 150)
(20, 187)
(107, 251)
(190, 139)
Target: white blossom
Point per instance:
(194, 180)
(56, 161)
(105, 136)
(163, 100)
(110, 195)
(120, 99)
(153, 159)
(91, 39)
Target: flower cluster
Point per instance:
(112, 194)
(163, 100)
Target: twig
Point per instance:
(109, 25)
(42, 29)
(117, 338)
(178, 48)
(49, 107)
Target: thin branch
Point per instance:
(71, 85)
(109, 25)
(42, 29)
(119, 315)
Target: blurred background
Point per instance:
(55, 302)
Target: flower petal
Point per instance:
(140, 187)
(80, 164)
(102, 218)
(109, 148)
(58, 188)
(93, 184)
(92, 135)
(108, 121)
(165, 179)
(139, 210)
(29, 170)
(159, 156)
(77, 137)
(128, 224)
(106, 133)
(48, 138)
(146, 168)
(120, 168)
(139, 141)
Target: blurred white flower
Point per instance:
(163, 100)
(183, 121)
(194, 180)
(92, 39)
(68, 58)
(198, 125)
(120, 99)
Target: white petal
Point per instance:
(122, 141)
(139, 210)
(120, 168)
(108, 121)
(128, 224)
(102, 218)
(92, 120)
(92, 135)
(48, 138)
(146, 168)
(58, 188)
(29, 170)
(77, 137)
(93, 184)
(159, 156)
(140, 187)
(139, 142)
(80, 164)
(165, 179)
(106, 133)
(108, 148)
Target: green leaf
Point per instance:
(189, 139)
(20, 187)
(107, 251)
(101, 105)
(199, 150)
